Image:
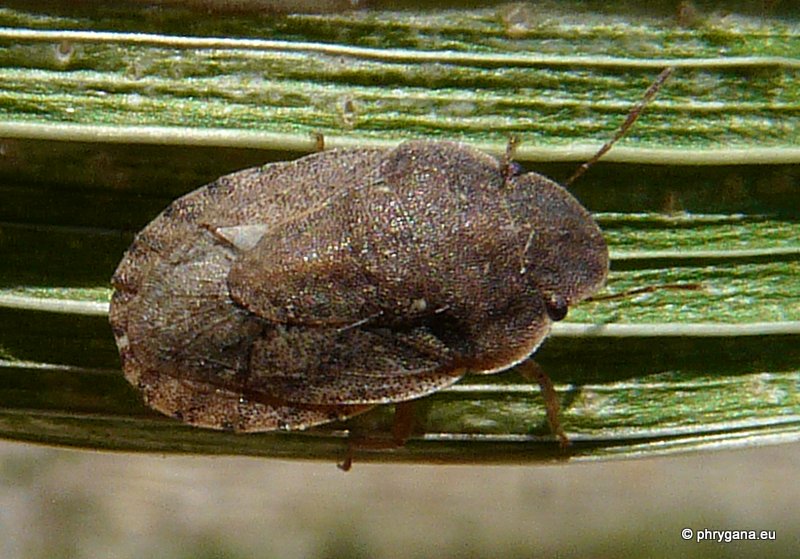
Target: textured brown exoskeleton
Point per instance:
(299, 293)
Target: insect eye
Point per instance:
(556, 307)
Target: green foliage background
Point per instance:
(110, 110)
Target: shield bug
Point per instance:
(299, 293)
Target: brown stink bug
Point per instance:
(299, 293)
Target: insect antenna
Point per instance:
(648, 289)
(507, 164)
(632, 116)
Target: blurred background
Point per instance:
(67, 503)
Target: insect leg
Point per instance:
(531, 370)
(402, 427)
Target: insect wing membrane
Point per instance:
(352, 366)
(183, 341)
(200, 356)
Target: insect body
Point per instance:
(299, 293)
